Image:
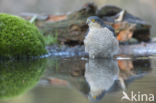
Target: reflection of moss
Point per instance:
(18, 77)
(19, 38)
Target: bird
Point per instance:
(100, 40)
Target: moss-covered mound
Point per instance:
(19, 38)
(18, 77)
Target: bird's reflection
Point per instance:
(100, 75)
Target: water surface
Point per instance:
(75, 80)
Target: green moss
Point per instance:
(50, 39)
(19, 38)
(18, 77)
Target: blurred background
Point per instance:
(144, 9)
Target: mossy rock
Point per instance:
(19, 38)
(17, 77)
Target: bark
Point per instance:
(143, 49)
(71, 28)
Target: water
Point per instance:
(75, 80)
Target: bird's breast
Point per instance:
(100, 36)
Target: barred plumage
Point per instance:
(100, 40)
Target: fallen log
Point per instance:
(71, 28)
(132, 50)
(143, 49)
(125, 24)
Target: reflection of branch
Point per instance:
(122, 83)
(53, 81)
(126, 67)
(57, 81)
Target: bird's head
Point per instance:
(94, 22)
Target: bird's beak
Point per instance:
(88, 21)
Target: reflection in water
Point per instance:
(100, 75)
(107, 75)
(131, 70)
(94, 78)
(18, 77)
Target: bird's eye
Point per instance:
(93, 20)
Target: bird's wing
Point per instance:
(87, 33)
(111, 29)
